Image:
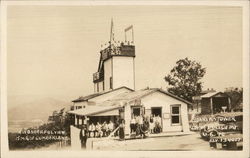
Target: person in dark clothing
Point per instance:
(145, 127)
(116, 125)
(122, 130)
(83, 136)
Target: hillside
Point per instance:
(35, 110)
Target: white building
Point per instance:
(115, 98)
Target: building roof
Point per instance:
(134, 95)
(120, 100)
(207, 91)
(209, 95)
(174, 96)
(130, 95)
(87, 97)
(96, 110)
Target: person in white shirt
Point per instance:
(98, 128)
(132, 124)
(110, 127)
(105, 128)
(91, 130)
(151, 124)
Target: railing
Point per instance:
(98, 76)
(123, 50)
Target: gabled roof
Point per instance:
(145, 92)
(86, 98)
(209, 95)
(133, 95)
(174, 96)
(117, 101)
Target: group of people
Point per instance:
(155, 124)
(95, 130)
(100, 130)
(141, 124)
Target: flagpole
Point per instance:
(132, 33)
(125, 36)
(111, 31)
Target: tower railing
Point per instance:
(98, 76)
(123, 50)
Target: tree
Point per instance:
(184, 79)
(236, 95)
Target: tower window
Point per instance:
(111, 83)
(103, 86)
(97, 84)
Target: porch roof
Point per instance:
(97, 111)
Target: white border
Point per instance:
(69, 153)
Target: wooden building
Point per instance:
(215, 102)
(115, 96)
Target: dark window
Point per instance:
(111, 83)
(175, 120)
(175, 110)
(175, 115)
(103, 88)
(136, 111)
(97, 87)
(156, 111)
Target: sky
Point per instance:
(54, 50)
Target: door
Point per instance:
(156, 111)
(136, 111)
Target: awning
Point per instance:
(97, 111)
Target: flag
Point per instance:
(129, 28)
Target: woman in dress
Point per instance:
(151, 124)
(121, 130)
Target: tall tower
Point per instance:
(116, 65)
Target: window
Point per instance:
(136, 111)
(111, 83)
(175, 115)
(103, 88)
(97, 84)
(78, 107)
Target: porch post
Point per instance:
(211, 105)
(229, 104)
(127, 118)
(75, 120)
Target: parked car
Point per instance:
(223, 124)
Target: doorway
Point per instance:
(136, 111)
(156, 111)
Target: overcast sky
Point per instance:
(53, 50)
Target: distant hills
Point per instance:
(33, 109)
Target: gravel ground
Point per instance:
(186, 142)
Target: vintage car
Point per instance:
(222, 124)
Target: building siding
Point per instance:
(107, 73)
(123, 72)
(206, 106)
(159, 99)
